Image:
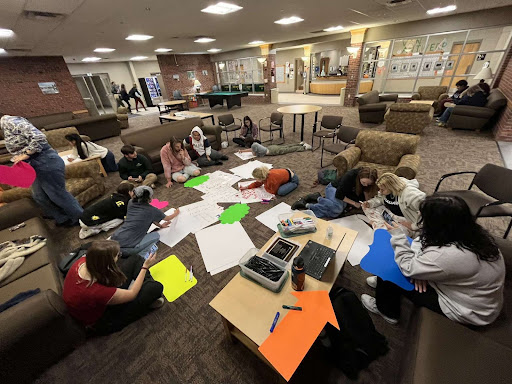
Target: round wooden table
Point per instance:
(301, 110)
(172, 104)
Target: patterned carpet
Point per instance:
(185, 339)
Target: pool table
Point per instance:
(217, 98)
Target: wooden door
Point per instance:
(462, 63)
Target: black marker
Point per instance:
(292, 307)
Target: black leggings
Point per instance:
(388, 295)
(116, 317)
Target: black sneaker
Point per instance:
(312, 197)
(218, 162)
(224, 157)
(299, 204)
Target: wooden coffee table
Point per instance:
(185, 115)
(64, 155)
(429, 102)
(301, 110)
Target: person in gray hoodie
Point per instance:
(455, 265)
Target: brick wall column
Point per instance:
(354, 62)
(503, 128)
(268, 74)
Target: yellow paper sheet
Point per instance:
(171, 272)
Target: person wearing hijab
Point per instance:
(133, 236)
(201, 150)
(177, 163)
(29, 144)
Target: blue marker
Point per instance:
(274, 323)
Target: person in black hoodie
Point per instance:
(475, 96)
(134, 93)
(125, 97)
(107, 213)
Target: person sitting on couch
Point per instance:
(455, 265)
(201, 150)
(461, 85)
(107, 213)
(136, 168)
(475, 96)
(177, 163)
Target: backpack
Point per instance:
(326, 176)
(66, 263)
(357, 343)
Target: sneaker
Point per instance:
(224, 157)
(307, 146)
(158, 303)
(153, 186)
(312, 197)
(370, 304)
(441, 124)
(372, 281)
(301, 143)
(299, 204)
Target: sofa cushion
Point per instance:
(410, 107)
(36, 260)
(496, 99)
(42, 121)
(17, 212)
(46, 277)
(385, 148)
(211, 138)
(77, 186)
(154, 155)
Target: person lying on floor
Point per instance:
(259, 150)
(455, 265)
(248, 134)
(400, 197)
(97, 289)
(276, 181)
(84, 149)
(354, 186)
(201, 150)
(177, 163)
(133, 236)
(107, 213)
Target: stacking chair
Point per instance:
(344, 137)
(331, 125)
(275, 123)
(228, 124)
(177, 95)
(495, 198)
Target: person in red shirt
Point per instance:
(97, 288)
(276, 181)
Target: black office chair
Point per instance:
(344, 137)
(496, 184)
(331, 125)
(215, 88)
(275, 123)
(228, 124)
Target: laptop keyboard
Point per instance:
(319, 258)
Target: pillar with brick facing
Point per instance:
(354, 64)
(503, 128)
(269, 69)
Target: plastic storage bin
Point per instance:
(290, 232)
(274, 286)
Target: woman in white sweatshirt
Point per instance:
(84, 149)
(456, 267)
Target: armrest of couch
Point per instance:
(214, 130)
(416, 96)
(17, 212)
(471, 111)
(13, 194)
(390, 97)
(443, 96)
(35, 334)
(408, 166)
(372, 107)
(347, 159)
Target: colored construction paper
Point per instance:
(171, 273)
(159, 204)
(234, 213)
(294, 335)
(380, 260)
(197, 181)
(19, 175)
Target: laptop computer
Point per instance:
(317, 257)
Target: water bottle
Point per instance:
(298, 274)
(328, 233)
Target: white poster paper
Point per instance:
(270, 218)
(364, 237)
(245, 171)
(245, 155)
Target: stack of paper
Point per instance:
(235, 243)
(245, 171)
(245, 155)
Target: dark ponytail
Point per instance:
(78, 144)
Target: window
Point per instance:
(242, 74)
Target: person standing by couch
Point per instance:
(29, 144)
(177, 163)
(201, 150)
(125, 97)
(84, 149)
(248, 135)
(136, 168)
(134, 94)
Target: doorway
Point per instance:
(299, 73)
(462, 63)
(95, 91)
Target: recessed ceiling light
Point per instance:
(2, 50)
(289, 20)
(332, 29)
(204, 40)
(163, 50)
(221, 8)
(6, 32)
(138, 57)
(213, 50)
(91, 59)
(256, 42)
(104, 50)
(139, 37)
(448, 8)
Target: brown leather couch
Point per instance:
(442, 351)
(373, 107)
(37, 332)
(149, 141)
(475, 118)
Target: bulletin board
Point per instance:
(280, 74)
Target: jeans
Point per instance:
(215, 156)
(328, 206)
(185, 172)
(137, 101)
(49, 188)
(109, 162)
(446, 115)
(116, 317)
(143, 247)
(387, 295)
(289, 186)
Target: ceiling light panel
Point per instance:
(104, 50)
(91, 59)
(139, 37)
(214, 50)
(135, 58)
(6, 32)
(435, 11)
(163, 50)
(289, 20)
(221, 8)
(204, 40)
(256, 42)
(2, 50)
(332, 29)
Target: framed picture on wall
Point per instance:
(449, 64)
(427, 66)
(413, 67)
(394, 68)
(405, 67)
(205, 72)
(438, 65)
(191, 75)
